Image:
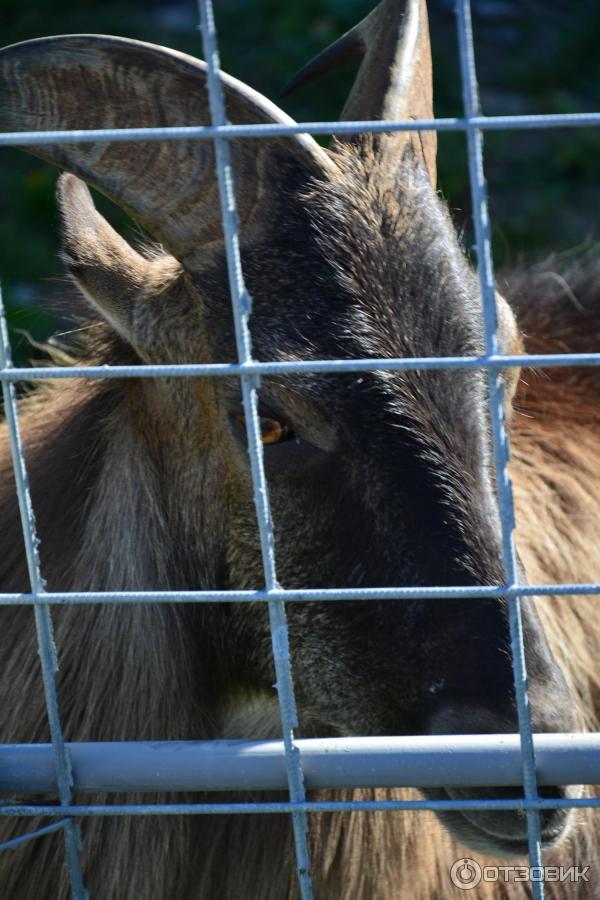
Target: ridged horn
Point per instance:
(394, 79)
(169, 187)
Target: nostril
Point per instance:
(452, 718)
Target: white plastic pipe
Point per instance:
(430, 761)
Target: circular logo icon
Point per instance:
(465, 874)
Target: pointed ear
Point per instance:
(108, 271)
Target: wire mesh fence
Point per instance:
(528, 752)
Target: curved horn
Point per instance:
(348, 48)
(94, 81)
(394, 80)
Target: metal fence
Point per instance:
(547, 759)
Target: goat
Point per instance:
(380, 479)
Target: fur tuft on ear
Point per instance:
(108, 271)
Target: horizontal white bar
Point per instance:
(301, 366)
(267, 130)
(429, 761)
(303, 595)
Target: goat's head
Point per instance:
(379, 479)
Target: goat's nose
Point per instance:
(498, 831)
(505, 830)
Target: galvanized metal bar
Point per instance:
(43, 621)
(578, 757)
(499, 434)
(285, 806)
(328, 763)
(242, 306)
(303, 595)
(30, 835)
(226, 131)
(299, 367)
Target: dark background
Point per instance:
(532, 57)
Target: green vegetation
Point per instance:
(532, 57)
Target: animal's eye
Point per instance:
(273, 431)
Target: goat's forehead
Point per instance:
(394, 304)
(374, 272)
(396, 311)
(359, 269)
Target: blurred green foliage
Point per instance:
(532, 57)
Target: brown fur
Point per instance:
(401, 855)
(144, 485)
